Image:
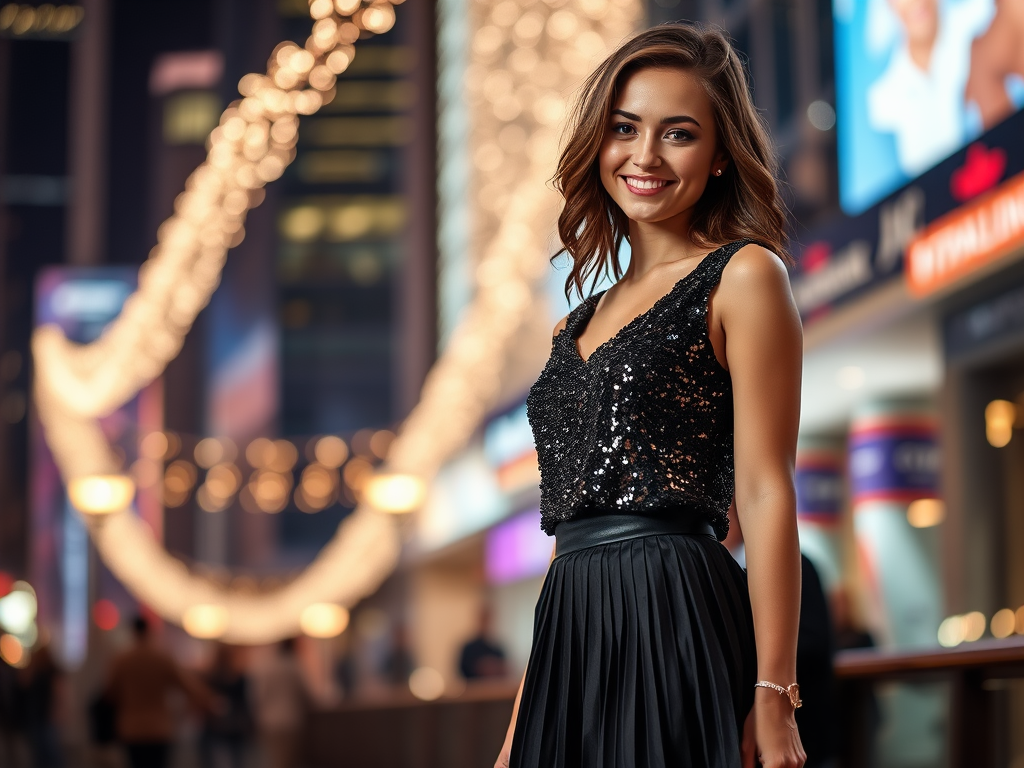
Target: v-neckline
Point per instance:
(581, 325)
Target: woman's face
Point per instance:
(660, 147)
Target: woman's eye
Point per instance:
(679, 135)
(623, 129)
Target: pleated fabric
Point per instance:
(643, 657)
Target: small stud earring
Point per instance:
(718, 172)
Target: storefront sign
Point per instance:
(967, 239)
(894, 459)
(851, 256)
(819, 487)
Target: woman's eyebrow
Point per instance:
(674, 120)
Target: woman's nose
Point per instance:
(646, 155)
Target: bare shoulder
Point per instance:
(560, 326)
(754, 266)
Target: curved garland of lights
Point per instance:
(76, 385)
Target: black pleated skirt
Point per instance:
(643, 657)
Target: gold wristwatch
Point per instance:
(792, 691)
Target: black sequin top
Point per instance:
(645, 424)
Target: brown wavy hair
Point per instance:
(744, 202)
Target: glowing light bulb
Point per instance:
(396, 494)
(101, 494)
(323, 620)
(204, 621)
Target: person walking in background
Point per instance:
(141, 679)
(280, 703)
(399, 663)
(481, 657)
(227, 728)
(42, 680)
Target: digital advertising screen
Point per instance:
(917, 80)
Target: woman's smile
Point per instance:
(646, 185)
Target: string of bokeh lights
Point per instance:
(77, 385)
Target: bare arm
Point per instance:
(763, 350)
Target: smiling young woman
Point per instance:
(665, 399)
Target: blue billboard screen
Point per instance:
(916, 80)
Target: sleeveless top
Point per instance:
(645, 424)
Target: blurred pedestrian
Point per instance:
(280, 702)
(226, 729)
(399, 663)
(481, 657)
(42, 677)
(141, 679)
(13, 747)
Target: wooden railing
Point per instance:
(969, 669)
(467, 731)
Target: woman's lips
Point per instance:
(645, 187)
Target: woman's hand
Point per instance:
(770, 735)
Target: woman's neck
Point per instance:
(653, 245)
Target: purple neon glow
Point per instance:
(517, 548)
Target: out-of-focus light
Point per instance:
(1000, 416)
(821, 115)
(223, 480)
(154, 446)
(303, 223)
(380, 442)
(850, 377)
(925, 513)
(426, 683)
(331, 451)
(204, 621)
(378, 18)
(105, 615)
(11, 650)
(101, 494)
(270, 490)
(1019, 614)
(356, 473)
(209, 451)
(319, 484)
(18, 609)
(6, 583)
(179, 478)
(1003, 623)
(285, 456)
(323, 620)
(338, 61)
(396, 494)
(260, 452)
(347, 7)
(974, 626)
(951, 631)
(321, 9)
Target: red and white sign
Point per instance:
(967, 239)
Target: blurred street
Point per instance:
(276, 276)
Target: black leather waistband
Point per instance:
(572, 535)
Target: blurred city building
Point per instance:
(899, 135)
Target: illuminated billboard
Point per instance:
(916, 80)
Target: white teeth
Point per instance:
(646, 183)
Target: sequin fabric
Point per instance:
(645, 424)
